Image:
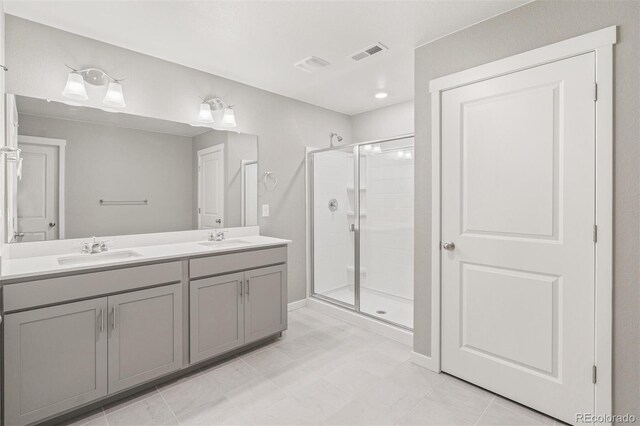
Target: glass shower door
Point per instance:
(386, 230)
(334, 205)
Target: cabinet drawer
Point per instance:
(63, 289)
(224, 263)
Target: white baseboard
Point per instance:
(297, 305)
(387, 330)
(423, 361)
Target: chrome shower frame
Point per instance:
(310, 173)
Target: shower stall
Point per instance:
(361, 200)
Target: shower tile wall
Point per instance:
(333, 245)
(388, 232)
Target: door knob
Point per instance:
(52, 224)
(449, 245)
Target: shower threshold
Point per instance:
(397, 310)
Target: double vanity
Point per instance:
(81, 329)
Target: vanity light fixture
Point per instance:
(76, 90)
(228, 118)
(205, 115)
(208, 106)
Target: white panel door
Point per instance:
(38, 193)
(518, 155)
(211, 184)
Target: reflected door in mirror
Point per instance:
(249, 193)
(211, 187)
(38, 192)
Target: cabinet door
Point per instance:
(216, 316)
(265, 307)
(145, 335)
(55, 359)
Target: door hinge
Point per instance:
(594, 374)
(595, 233)
(595, 92)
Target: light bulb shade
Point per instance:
(205, 115)
(228, 118)
(114, 97)
(74, 89)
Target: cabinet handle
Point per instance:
(101, 320)
(241, 285)
(247, 286)
(113, 322)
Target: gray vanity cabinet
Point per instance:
(55, 359)
(145, 335)
(216, 315)
(265, 310)
(232, 310)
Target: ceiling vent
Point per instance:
(311, 64)
(369, 51)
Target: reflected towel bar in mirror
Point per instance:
(124, 202)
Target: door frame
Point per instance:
(200, 153)
(243, 181)
(61, 144)
(601, 42)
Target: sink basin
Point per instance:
(225, 243)
(109, 256)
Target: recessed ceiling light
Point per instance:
(381, 95)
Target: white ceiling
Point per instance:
(257, 42)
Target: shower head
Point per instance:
(332, 135)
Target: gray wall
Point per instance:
(534, 25)
(36, 55)
(120, 164)
(392, 120)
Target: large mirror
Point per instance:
(86, 172)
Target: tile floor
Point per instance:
(323, 371)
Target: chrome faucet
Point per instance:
(216, 236)
(95, 246)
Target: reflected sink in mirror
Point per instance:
(83, 259)
(225, 243)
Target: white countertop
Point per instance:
(24, 267)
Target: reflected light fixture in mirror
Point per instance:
(208, 106)
(76, 90)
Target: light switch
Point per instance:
(265, 210)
